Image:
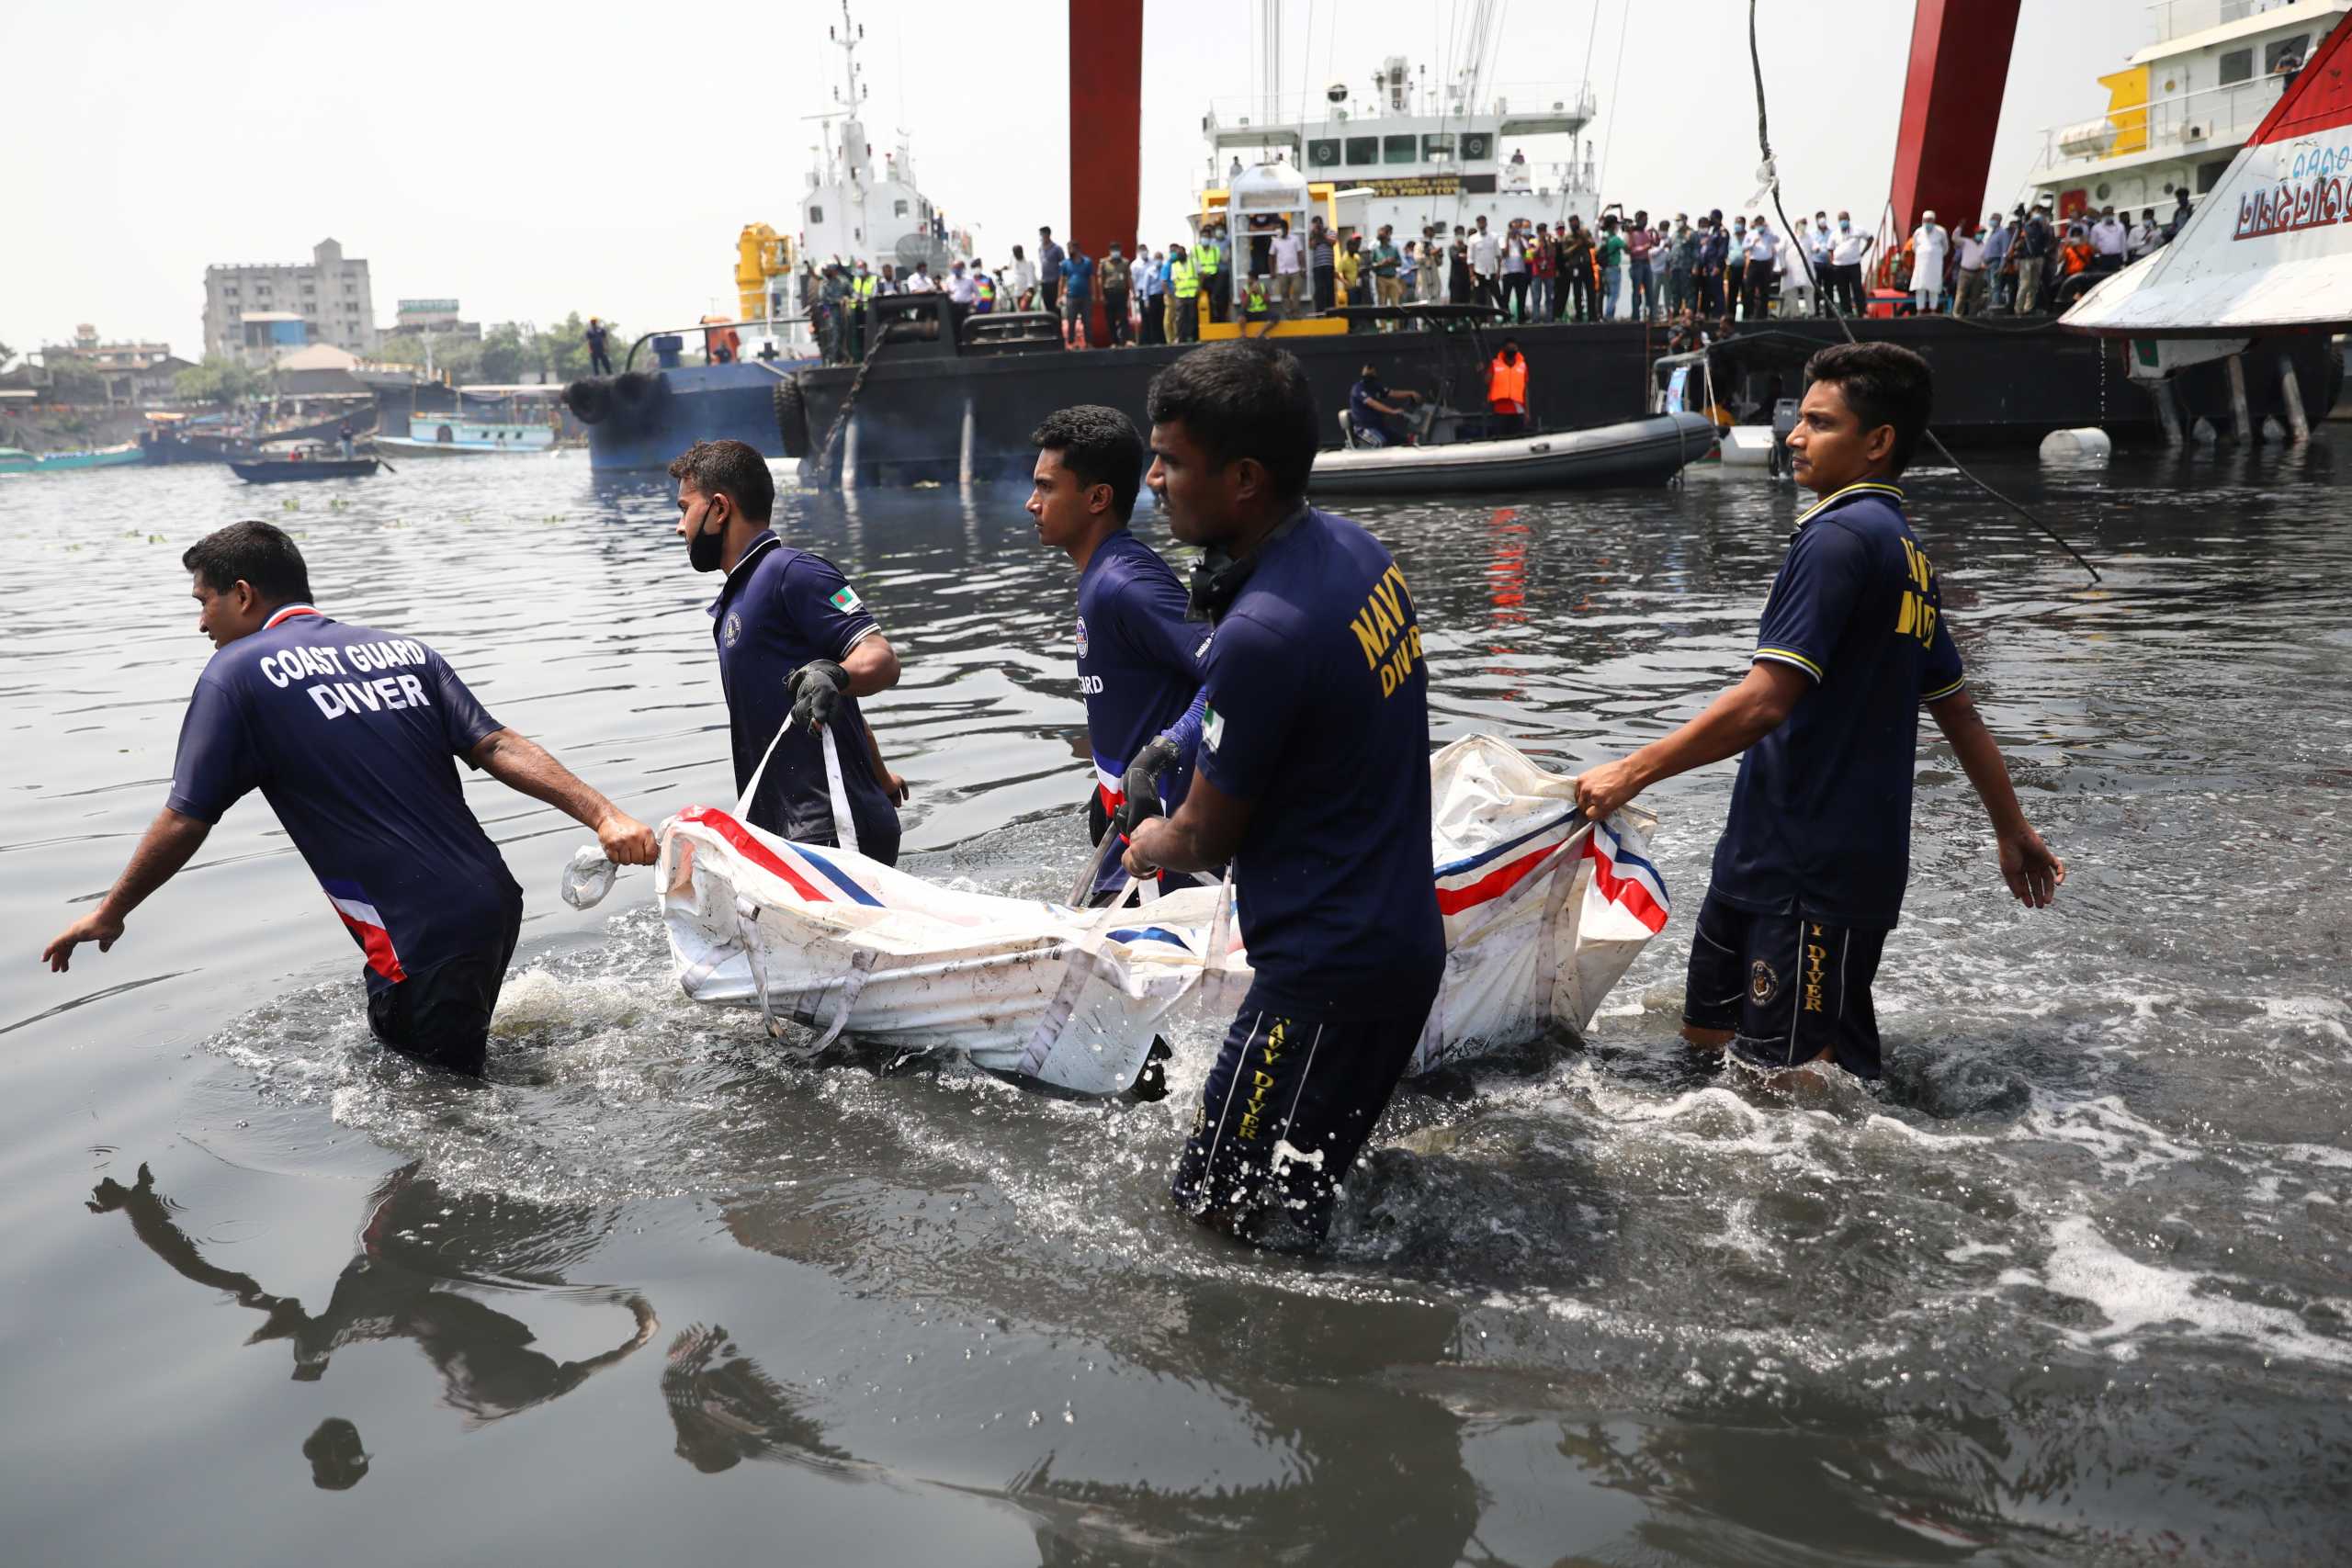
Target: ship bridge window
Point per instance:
(1438, 149)
(1363, 149)
(1478, 146)
(2284, 51)
(1323, 151)
(816, 213)
(898, 209)
(2237, 66)
(1400, 149)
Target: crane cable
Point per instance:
(1771, 174)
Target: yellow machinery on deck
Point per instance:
(763, 263)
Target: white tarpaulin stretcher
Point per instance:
(1542, 914)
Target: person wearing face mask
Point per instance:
(1930, 251)
(796, 649)
(2110, 239)
(348, 733)
(1846, 253)
(1818, 244)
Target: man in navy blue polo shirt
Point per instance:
(1312, 779)
(1810, 871)
(796, 643)
(348, 732)
(1137, 665)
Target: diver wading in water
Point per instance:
(348, 733)
(1810, 871)
(796, 649)
(1314, 781)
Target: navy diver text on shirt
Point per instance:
(1318, 714)
(351, 734)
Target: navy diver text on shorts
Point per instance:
(1286, 1111)
(1787, 987)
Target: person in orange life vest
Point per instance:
(1507, 389)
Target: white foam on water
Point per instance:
(2124, 1145)
(2141, 1300)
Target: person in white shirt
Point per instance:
(1846, 253)
(921, 281)
(1968, 295)
(1024, 282)
(960, 287)
(1486, 263)
(1289, 251)
(2145, 235)
(2110, 239)
(1818, 242)
(1763, 252)
(1930, 249)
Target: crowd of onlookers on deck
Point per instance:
(1625, 266)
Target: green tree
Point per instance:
(508, 349)
(7, 353)
(219, 380)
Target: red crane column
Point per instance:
(1951, 105)
(1105, 131)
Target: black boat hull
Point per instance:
(271, 471)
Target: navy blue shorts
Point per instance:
(1788, 989)
(1284, 1113)
(441, 1016)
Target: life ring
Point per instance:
(792, 417)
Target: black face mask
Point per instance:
(705, 547)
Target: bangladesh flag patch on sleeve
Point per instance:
(847, 599)
(1211, 727)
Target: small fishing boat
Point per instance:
(450, 435)
(1637, 452)
(281, 470)
(15, 461)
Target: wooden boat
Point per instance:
(280, 470)
(1634, 453)
(14, 460)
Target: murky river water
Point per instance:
(2074, 1284)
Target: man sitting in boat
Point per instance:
(1377, 411)
(796, 649)
(348, 732)
(1314, 782)
(1810, 871)
(1136, 664)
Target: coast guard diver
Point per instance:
(795, 640)
(1312, 779)
(348, 732)
(1137, 665)
(1810, 871)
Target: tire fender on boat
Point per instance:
(792, 417)
(589, 400)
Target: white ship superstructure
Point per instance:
(852, 209)
(1408, 154)
(2182, 106)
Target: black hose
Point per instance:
(1772, 178)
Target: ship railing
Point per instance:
(2185, 122)
(2176, 19)
(1291, 112)
(765, 324)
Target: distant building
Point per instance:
(126, 373)
(329, 300)
(414, 318)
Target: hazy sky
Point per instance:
(534, 160)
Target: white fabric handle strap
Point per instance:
(844, 825)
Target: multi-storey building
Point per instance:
(256, 312)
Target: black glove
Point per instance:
(816, 688)
(1141, 786)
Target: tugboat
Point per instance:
(850, 212)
